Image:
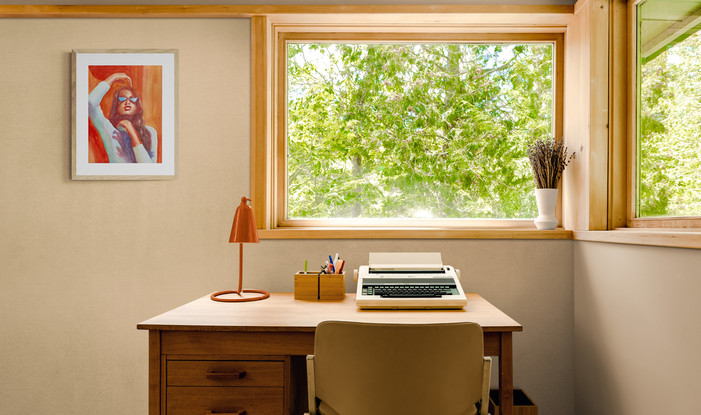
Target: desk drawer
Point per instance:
(225, 373)
(224, 400)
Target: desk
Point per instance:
(205, 343)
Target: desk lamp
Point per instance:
(242, 231)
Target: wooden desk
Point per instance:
(205, 343)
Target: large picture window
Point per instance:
(669, 109)
(396, 131)
(415, 130)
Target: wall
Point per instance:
(81, 263)
(636, 329)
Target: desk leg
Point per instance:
(506, 375)
(154, 372)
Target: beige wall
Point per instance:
(637, 336)
(82, 262)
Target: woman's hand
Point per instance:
(127, 126)
(118, 77)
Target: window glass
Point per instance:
(410, 130)
(669, 117)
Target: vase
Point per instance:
(546, 200)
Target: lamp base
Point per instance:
(263, 296)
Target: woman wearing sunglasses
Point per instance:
(127, 139)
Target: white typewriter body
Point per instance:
(408, 280)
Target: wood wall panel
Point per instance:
(575, 181)
(587, 117)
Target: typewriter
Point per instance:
(408, 280)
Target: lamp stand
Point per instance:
(263, 296)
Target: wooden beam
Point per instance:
(618, 115)
(586, 181)
(260, 128)
(253, 10)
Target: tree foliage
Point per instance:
(670, 131)
(415, 130)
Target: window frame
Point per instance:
(269, 184)
(633, 221)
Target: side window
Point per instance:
(669, 109)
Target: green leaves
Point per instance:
(399, 130)
(670, 132)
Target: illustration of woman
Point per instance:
(127, 139)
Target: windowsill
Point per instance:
(674, 238)
(678, 238)
(409, 233)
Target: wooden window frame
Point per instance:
(633, 221)
(268, 147)
(612, 218)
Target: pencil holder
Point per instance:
(332, 286)
(315, 287)
(306, 286)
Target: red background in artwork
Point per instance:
(147, 81)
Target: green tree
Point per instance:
(670, 131)
(407, 130)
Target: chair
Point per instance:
(403, 369)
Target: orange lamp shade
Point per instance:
(244, 228)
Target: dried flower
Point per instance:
(548, 159)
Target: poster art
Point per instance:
(124, 114)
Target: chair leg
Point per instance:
(486, 378)
(311, 388)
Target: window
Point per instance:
(668, 113)
(402, 126)
(414, 130)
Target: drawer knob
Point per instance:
(235, 374)
(242, 412)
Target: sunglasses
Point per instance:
(132, 99)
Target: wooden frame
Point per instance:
(603, 207)
(585, 182)
(633, 157)
(105, 150)
(268, 182)
(547, 14)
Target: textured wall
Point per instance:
(82, 262)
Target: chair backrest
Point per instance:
(364, 368)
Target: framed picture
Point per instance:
(124, 114)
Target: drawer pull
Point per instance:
(243, 412)
(236, 374)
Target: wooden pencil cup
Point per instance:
(319, 287)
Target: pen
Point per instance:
(305, 266)
(335, 261)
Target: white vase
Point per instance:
(546, 200)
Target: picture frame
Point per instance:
(124, 114)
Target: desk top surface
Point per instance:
(281, 312)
